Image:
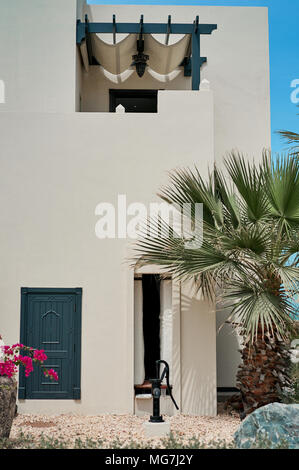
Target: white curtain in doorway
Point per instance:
(166, 322)
(138, 334)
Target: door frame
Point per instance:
(176, 328)
(76, 390)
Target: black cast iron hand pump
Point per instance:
(156, 391)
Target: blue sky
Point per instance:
(284, 54)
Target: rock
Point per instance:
(275, 422)
(8, 397)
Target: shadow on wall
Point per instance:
(198, 332)
(2, 92)
(228, 356)
(199, 395)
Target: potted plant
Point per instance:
(10, 359)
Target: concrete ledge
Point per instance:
(156, 429)
(144, 396)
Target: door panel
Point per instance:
(51, 324)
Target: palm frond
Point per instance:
(227, 197)
(247, 248)
(189, 187)
(252, 306)
(282, 188)
(249, 181)
(252, 237)
(291, 138)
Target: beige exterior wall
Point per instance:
(241, 104)
(37, 55)
(198, 354)
(228, 356)
(55, 170)
(57, 165)
(237, 69)
(38, 63)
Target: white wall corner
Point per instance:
(204, 85)
(2, 92)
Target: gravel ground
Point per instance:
(126, 427)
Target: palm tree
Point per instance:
(249, 253)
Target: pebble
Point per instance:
(124, 427)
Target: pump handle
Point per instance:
(165, 374)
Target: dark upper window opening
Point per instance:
(134, 101)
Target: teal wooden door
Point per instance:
(51, 320)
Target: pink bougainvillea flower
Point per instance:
(40, 355)
(8, 350)
(26, 361)
(18, 345)
(11, 359)
(51, 373)
(8, 368)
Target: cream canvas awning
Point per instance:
(117, 58)
(162, 60)
(165, 59)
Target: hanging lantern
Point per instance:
(140, 59)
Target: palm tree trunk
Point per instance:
(263, 372)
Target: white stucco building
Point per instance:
(64, 150)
